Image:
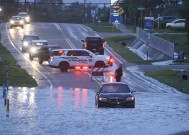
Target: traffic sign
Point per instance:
(140, 8)
(120, 10)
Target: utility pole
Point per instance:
(25, 5)
(84, 11)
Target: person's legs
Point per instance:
(118, 79)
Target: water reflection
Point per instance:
(80, 97)
(59, 96)
(22, 101)
(84, 97)
(26, 97)
(77, 97)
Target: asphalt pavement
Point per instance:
(160, 110)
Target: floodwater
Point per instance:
(72, 111)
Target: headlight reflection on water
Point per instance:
(80, 97)
(22, 101)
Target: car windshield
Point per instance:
(23, 15)
(94, 39)
(115, 88)
(16, 18)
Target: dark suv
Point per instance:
(94, 44)
(35, 46)
(46, 51)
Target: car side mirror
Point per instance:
(90, 56)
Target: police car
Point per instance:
(77, 59)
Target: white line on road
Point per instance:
(67, 39)
(72, 46)
(27, 58)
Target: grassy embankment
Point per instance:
(167, 76)
(17, 76)
(171, 77)
(103, 27)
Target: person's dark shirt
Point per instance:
(119, 72)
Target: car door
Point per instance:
(84, 58)
(179, 24)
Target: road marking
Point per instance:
(72, 46)
(70, 43)
(81, 26)
(67, 39)
(8, 34)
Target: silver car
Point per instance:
(16, 21)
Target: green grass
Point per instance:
(180, 41)
(103, 27)
(165, 31)
(17, 76)
(171, 78)
(124, 51)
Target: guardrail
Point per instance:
(155, 42)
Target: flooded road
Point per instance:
(72, 111)
(64, 103)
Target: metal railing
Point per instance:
(155, 42)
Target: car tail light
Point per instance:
(51, 57)
(60, 52)
(110, 61)
(85, 67)
(77, 67)
(85, 45)
(103, 45)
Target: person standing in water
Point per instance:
(118, 73)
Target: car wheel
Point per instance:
(99, 64)
(99, 105)
(40, 60)
(64, 66)
(31, 57)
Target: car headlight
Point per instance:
(25, 43)
(21, 21)
(103, 99)
(130, 99)
(27, 18)
(11, 22)
(33, 50)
